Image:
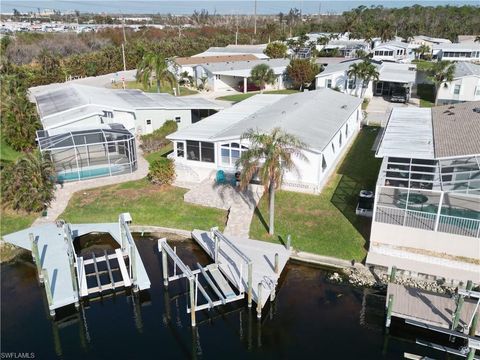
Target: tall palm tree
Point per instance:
(155, 65)
(354, 71)
(270, 156)
(261, 75)
(441, 72)
(368, 73)
(422, 50)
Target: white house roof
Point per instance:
(408, 134)
(243, 68)
(472, 46)
(339, 67)
(394, 72)
(432, 39)
(72, 102)
(313, 116)
(257, 50)
(392, 44)
(465, 68)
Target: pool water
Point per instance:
(87, 173)
(311, 318)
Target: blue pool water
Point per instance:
(86, 173)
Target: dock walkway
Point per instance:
(428, 307)
(231, 264)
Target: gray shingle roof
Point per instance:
(456, 129)
(465, 68)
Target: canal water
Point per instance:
(310, 318)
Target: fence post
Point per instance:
(36, 256)
(439, 211)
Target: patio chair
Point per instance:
(220, 177)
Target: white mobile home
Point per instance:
(326, 120)
(394, 51)
(464, 87)
(256, 50)
(234, 75)
(457, 52)
(79, 106)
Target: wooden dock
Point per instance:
(233, 266)
(429, 308)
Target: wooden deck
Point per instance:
(262, 255)
(428, 307)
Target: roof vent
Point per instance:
(284, 112)
(344, 106)
(477, 110)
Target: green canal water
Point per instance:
(310, 318)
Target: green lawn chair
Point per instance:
(220, 178)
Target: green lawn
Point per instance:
(326, 224)
(426, 93)
(149, 205)
(6, 152)
(151, 157)
(240, 97)
(164, 89)
(11, 221)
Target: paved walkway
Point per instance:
(241, 204)
(63, 195)
(378, 109)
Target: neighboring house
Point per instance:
(457, 52)
(467, 38)
(464, 87)
(427, 199)
(74, 106)
(234, 75)
(428, 40)
(394, 51)
(256, 50)
(326, 120)
(187, 64)
(391, 76)
(346, 48)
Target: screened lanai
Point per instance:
(86, 154)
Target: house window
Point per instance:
(351, 83)
(149, 122)
(178, 119)
(329, 83)
(456, 89)
(217, 77)
(180, 149)
(200, 151)
(108, 114)
(231, 152)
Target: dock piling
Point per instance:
(393, 274)
(289, 242)
(192, 300)
(250, 277)
(48, 291)
(456, 316)
(36, 256)
(165, 268)
(276, 263)
(389, 311)
(259, 301)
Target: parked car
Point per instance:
(250, 87)
(399, 94)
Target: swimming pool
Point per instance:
(88, 173)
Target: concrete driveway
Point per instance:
(378, 109)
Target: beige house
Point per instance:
(427, 200)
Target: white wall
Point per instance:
(469, 86)
(158, 118)
(338, 80)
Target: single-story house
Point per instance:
(464, 87)
(77, 106)
(426, 213)
(326, 120)
(428, 40)
(234, 75)
(391, 75)
(346, 48)
(187, 64)
(257, 50)
(394, 51)
(457, 52)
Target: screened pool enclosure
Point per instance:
(86, 154)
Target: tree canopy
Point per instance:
(276, 50)
(302, 72)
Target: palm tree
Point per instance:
(441, 72)
(155, 64)
(368, 73)
(422, 50)
(270, 156)
(354, 71)
(261, 75)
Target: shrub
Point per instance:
(162, 171)
(156, 140)
(28, 183)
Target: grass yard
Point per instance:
(326, 224)
(6, 152)
(164, 88)
(149, 205)
(426, 93)
(151, 157)
(240, 97)
(11, 221)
